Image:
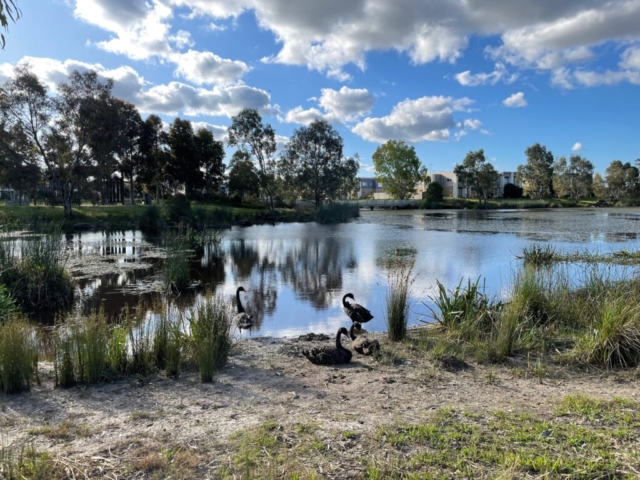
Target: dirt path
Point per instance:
(97, 428)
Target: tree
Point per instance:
(18, 162)
(312, 163)
(243, 178)
(249, 134)
(477, 175)
(599, 186)
(434, 192)
(210, 153)
(58, 129)
(8, 11)
(184, 166)
(573, 179)
(512, 191)
(622, 179)
(536, 175)
(398, 168)
(154, 154)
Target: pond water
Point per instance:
(296, 274)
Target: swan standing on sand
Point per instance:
(242, 319)
(363, 345)
(357, 313)
(330, 355)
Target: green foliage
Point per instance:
(180, 210)
(210, 326)
(176, 264)
(243, 177)
(512, 191)
(479, 177)
(398, 168)
(151, 219)
(397, 298)
(7, 304)
(539, 255)
(573, 180)
(313, 166)
(18, 355)
(536, 175)
(337, 213)
(167, 342)
(434, 192)
(622, 179)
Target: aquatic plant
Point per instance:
(397, 298)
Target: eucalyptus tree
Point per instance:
(575, 178)
(536, 175)
(479, 176)
(398, 168)
(249, 134)
(313, 165)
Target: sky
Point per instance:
(445, 76)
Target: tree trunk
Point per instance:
(131, 189)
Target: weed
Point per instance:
(18, 355)
(397, 299)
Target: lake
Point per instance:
(296, 274)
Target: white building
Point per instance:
(451, 187)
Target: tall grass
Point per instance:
(151, 220)
(168, 341)
(210, 326)
(18, 355)
(397, 298)
(176, 264)
(33, 271)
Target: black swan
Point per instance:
(242, 319)
(356, 312)
(363, 345)
(330, 355)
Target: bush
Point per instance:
(434, 192)
(151, 219)
(18, 355)
(180, 210)
(512, 191)
(337, 213)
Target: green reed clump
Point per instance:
(92, 348)
(176, 264)
(64, 358)
(210, 326)
(141, 360)
(32, 270)
(397, 298)
(168, 342)
(337, 213)
(539, 255)
(18, 355)
(613, 337)
(118, 356)
(7, 304)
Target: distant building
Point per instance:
(368, 187)
(451, 187)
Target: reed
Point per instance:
(210, 326)
(18, 355)
(176, 264)
(397, 298)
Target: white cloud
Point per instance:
(516, 100)
(220, 132)
(339, 106)
(576, 147)
(468, 79)
(174, 98)
(208, 68)
(608, 77)
(472, 123)
(326, 36)
(422, 119)
(630, 59)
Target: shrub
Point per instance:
(512, 191)
(180, 210)
(18, 355)
(151, 219)
(210, 325)
(434, 192)
(337, 213)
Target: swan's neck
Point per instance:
(240, 307)
(351, 334)
(338, 343)
(344, 302)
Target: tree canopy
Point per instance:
(574, 178)
(398, 168)
(8, 11)
(479, 176)
(536, 175)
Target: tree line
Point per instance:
(74, 140)
(398, 169)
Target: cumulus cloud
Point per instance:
(143, 31)
(174, 98)
(220, 132)
(500, 73)
(326, 36)
(576, 147)
(422, 119)
(516, 100)
(339, 106)
(208, 68)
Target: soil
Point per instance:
(268, 379)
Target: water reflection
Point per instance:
(296, 274)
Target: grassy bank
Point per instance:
(546, 255)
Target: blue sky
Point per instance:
(447, 76)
